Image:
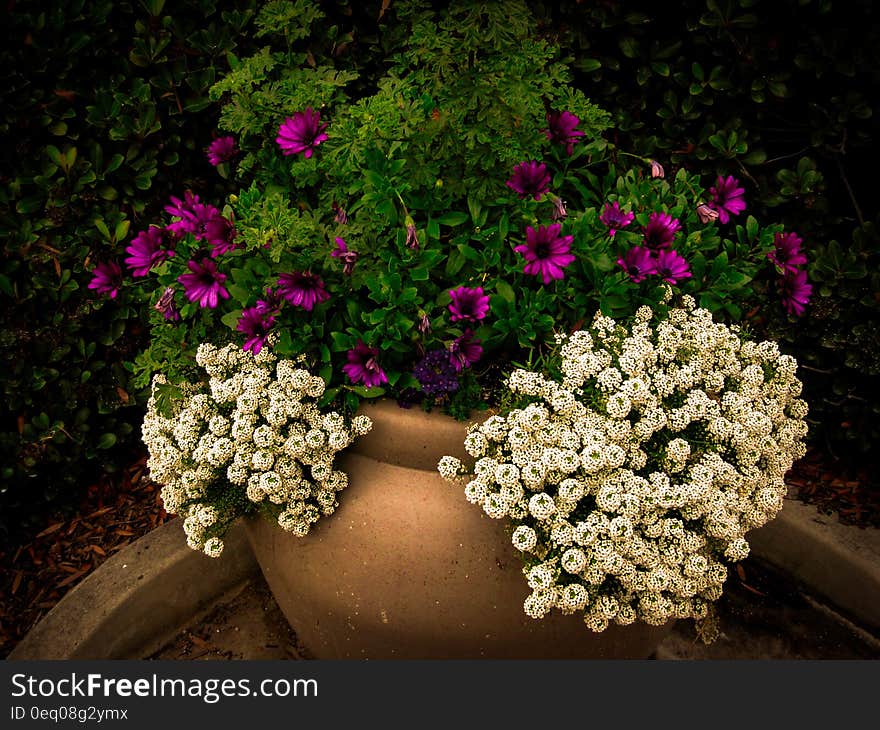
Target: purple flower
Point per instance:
(301, 133)
(412, 239)
(339, 214)
(302, 289)
(179, 208)
(546, 252)
(363, 366)
(671, 266)
(559, 212)
(106, 279)
(469, 305)
(272, 304)
(255, 323)
(220, 233)
(795, 291)
(787, 252)
(221, 150)
(660, 231)
(530, 179)
(145, 251)
(424, 325)
(562, 129)
(727, 198)
(166, 305)
(348, 258)
(193, 216)
(436, 373)
(638, 264)
(615, 218)
(657, 170)
(204, 284)
(706, 214)
(464, 351)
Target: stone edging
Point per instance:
(170, 585)
(137, 600)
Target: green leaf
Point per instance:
(106, 441)
(505, 290)
(453, 218)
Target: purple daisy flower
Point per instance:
(204, 284)
(672, 267)
(363, 367)
(660, 231)
(530, 179)
(787, 252)
(469, 305)
(727, 198)
(166, 305)
(638, 264)
(145, 251)
(272, 304)
(464, 351)
(615, 218)
(562, 129)
(221, 150)
(436, 373)
(348, 258)
(220, 233)
(795, 291)
(302, 289)
(706, 214)
(255, 324)
(179, 208)
(546, 252)
(107, 279)
(301, 133)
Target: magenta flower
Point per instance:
(302, 289)
(562, 129)
(220, 233)
(660, 231)
(672, 267)
(657, 170)
(221, 150)
(727, 198)
(146, 251)
(204, 284)
(638, 264)
(193, 217)
(301, 133)
(546, 252)
(179, 208)
(166, 305)
(787, 252)
(412, 238)
(272, 304)
(615, 218)
(255, 324)
(348, 258)
(530, 179)
(706, 214)
(363, 367)
(469, 305)
(464, 351)
(795, 291)
(107, 279)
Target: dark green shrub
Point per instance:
(105, 112)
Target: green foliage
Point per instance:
(104, 114)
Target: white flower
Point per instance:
(541, 506)
(524, 538)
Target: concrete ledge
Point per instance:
(136, 601)
(836, 562)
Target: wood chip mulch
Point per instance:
(37, 574)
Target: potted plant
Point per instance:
(428, 239)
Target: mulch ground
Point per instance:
(38, 573)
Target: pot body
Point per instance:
(407, 568)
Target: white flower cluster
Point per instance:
(252, 435)
(633, 482)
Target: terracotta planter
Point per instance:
(407, 568)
